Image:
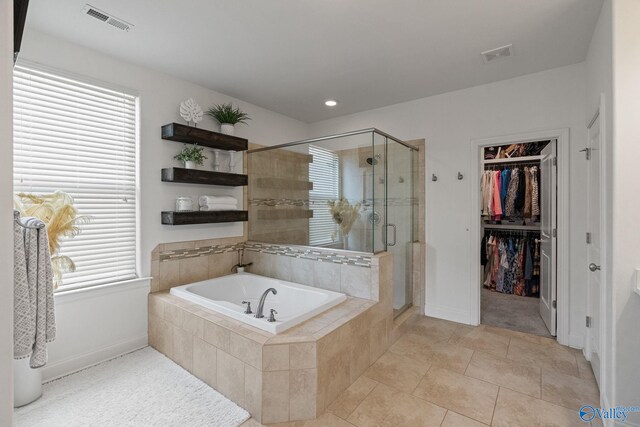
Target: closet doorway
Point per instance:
(518, 275)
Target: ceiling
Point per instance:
(291, 55)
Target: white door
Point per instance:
(594, 225)
(548, 237)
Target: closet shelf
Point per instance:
(203, 217)
(513, 160)
(194, 176)
(511, 227)
(205, 138)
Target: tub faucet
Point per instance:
(259, 314)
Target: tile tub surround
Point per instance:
(353, 273)
(285, 377)
(174, 264)
(277, 378)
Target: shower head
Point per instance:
(373, 160)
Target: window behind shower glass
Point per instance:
(324, 174)
(79, 137)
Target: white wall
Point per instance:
(599, 82)
(625, 176)
(6, 212)
(97, 324)
(160, 95)
(547, 100)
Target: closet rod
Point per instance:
(505, 166)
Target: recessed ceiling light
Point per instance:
(330, 103)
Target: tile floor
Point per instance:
(446, 374)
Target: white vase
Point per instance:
(227, 129)
(189, 164)
(216, 161)
(240, 269)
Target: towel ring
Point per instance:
(16, 218)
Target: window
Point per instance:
(324, 173)
(80, 138)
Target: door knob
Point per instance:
(594, 267)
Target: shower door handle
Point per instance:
(395, 235)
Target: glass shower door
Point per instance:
(399, 221)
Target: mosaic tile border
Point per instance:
(312, 254)
(410, 201)
(200, 251)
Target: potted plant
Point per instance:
(240, 266)
(228, 116)
(191, 155)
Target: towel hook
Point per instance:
(434, 177)
(460, 176)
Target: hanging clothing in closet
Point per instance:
(511, 193)
(511, 263)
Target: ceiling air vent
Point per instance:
(497, 53)
(105, 17)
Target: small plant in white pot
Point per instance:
(240, 266)
(191, 155)
(228, 116)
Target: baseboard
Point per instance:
(70, 365)
(446, 313)
(576, 341)
(604, 403)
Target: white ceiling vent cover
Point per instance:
(107, 18)
(497, 53)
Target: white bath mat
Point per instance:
(143, 388)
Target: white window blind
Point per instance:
(80, 138)
(324, 173)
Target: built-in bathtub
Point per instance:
(294, 303)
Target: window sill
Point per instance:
(63, 296)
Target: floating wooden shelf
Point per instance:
(285, 214)
(194, 176)
(203, 217)
(205, 138)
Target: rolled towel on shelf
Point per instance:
(219, 207)
(217, 200)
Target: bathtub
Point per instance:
(294, 302)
